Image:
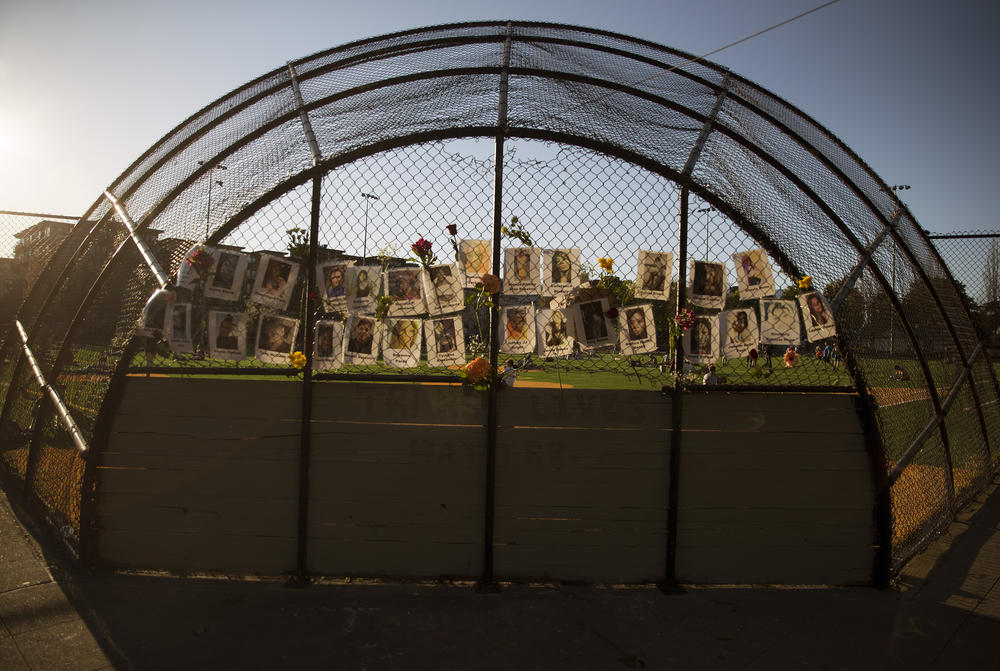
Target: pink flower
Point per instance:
(452, 229)
(422, 247)
(491, 283)
(685, 318)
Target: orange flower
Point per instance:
(491, 283)
(477, 369)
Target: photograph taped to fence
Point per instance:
(402, 343)
(331, 277)
(445, 342)
(443, 289)
(592, 326)
(636, 329)
(741, 332)
(552, 332)
(179, 335)
(779, 322)
(561, 272)
(817, 317)
(476, 258)
(653, 273)
(701, 341)
(226, 279)
(517, 335)
(522, 270)
(362, 345)
(227, 335)
(274, 282)
(753, 274)
(406, 288)
(363, 283)
(328, 345)
(156, 311)
(708, 284)
(275, 337)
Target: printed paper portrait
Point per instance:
(362, 343)
(363, 284)
(740, 332)
(708, 284)
(592, 326)
(476, 259)
(636, 329)
(753, 274)
(779, 322)
(402, 343)
(653, 273)
(817, 317)
(227, 335)
(328, 345)
(274, 282)
(179, 334)
(517, 330)
(275, 338)
(406, 288)
(522, 270)
(443, 289)
(331, 282)
(701, 341)
(226, 279)
(560, 271)
(552, 332)
(445, 342)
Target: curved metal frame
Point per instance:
(290, 76)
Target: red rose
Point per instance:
(452, 229)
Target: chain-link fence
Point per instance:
(648, 223)
(974, 259)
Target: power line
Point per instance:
(706, 54)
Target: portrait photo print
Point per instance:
(227, 332)
(708, 284)
(328, 345)
(226, 279)
(275, 338)
(445, 342)
(653, 273)
(636, 329)
(274, 282)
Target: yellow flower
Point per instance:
(606, 263)
(806, 282)
(476, 369)
(298, 359)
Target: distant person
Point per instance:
(710, 376)
(509, 374)
(898, 373)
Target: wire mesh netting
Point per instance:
(798, 267)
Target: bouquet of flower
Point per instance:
(424, 254)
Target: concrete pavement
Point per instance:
(943, 613)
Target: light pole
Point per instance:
(364, 251)
(208, 210)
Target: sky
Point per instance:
(86, 87)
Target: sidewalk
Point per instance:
(944, 614)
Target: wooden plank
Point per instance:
(735, 535)
(589, 564)
(405, 403)
(809, 413)
(818, 565)
(260, 555)
(193, 513)
(212, 398)
(181, 428)
(396, 558)
(374, 443)
(584, 408)
(220, 477)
